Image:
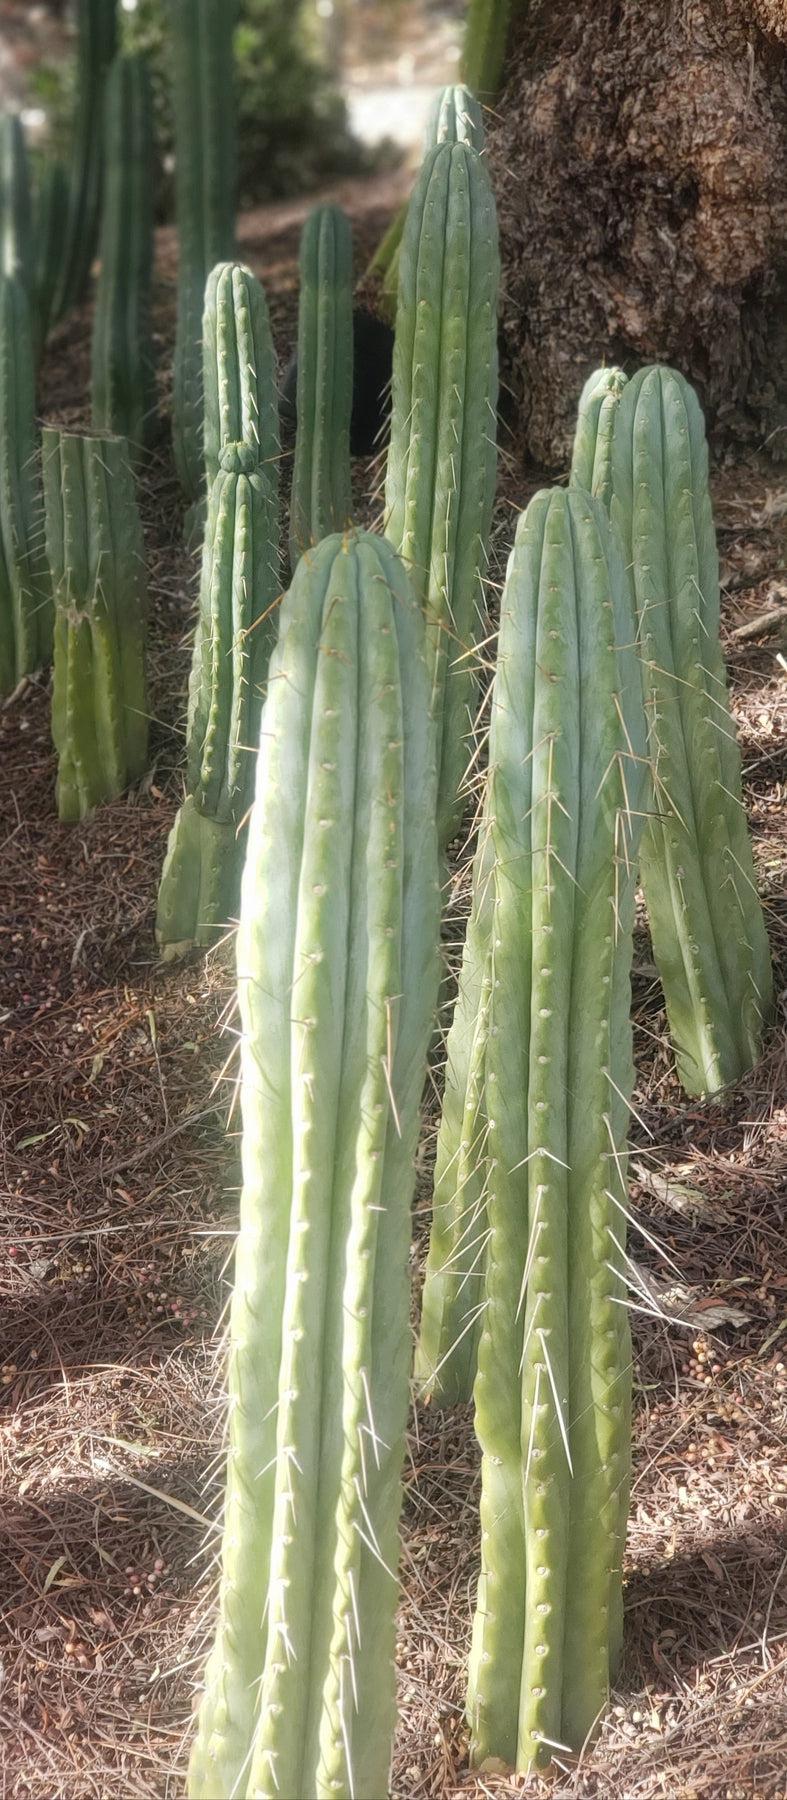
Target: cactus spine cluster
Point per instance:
(552, 1390)
(25, 596)
(96, 44)
(321, 483)
(205, 202)
(337, 964)
(123, 391)
(591, 460)
(236, 627)
(16, 244)
(698, 875)
(96, 560)
(442, 459)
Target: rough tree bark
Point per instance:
(640, 160)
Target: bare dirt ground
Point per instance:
(119, 1205)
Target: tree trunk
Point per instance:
(639, 150)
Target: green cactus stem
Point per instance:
(236, 629)
(239, 369)
(484, 46)
(591, 461)
(96, 560)
(123, 387)
(698, 875)
(25, 595)
(16, 237)
(337, 971)
(453, 1294)
(205, 202)
(552, 1390)
(321, 483)
(96, 44)
(442, 459)
(455, 117)
(49, 235)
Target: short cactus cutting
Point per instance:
(337, 972)
(553, 1384)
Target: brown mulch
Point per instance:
(119, 1204)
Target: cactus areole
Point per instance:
(337, 975)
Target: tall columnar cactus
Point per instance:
(96, 559)
(16, 225)
(25, 595)
(205, 201)
(455, 117)
(321, 483)
(96, 43)
(591, 461)
(442, 459)
(453, 1295)
(123, 389)
(239, 370)
(484, 46)
(698, 875)
(337, 968)
(236, 629)
(50, 212)
(552, 1391)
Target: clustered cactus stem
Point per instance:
(236, 628)
(95, 553)
(337, 968)
(455, 117)
(321, 483)
(96, 44)
(123, 385)
(698, 876)
(442, 459)
(552, 1390)
(591, 461)
(205, 202)
(25, 594)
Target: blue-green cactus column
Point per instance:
(698, 874)
(551, 1392)
(337, 966)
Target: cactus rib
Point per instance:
(553, 1366)
(337, 960)
(706, 921)
(96, 561)
(442, 459)
(16, 244)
